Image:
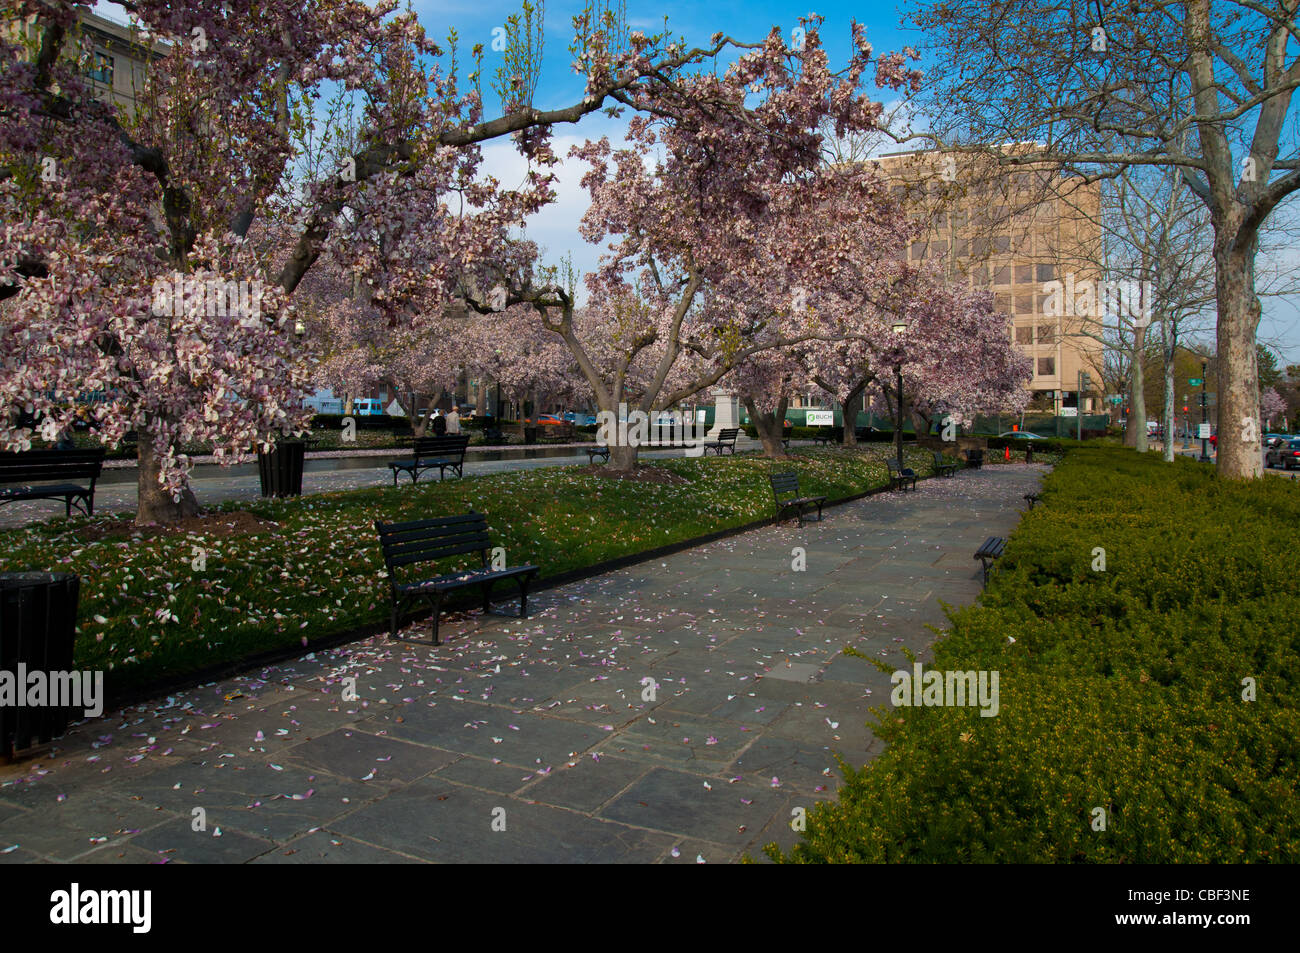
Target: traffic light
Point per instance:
(1184, 410)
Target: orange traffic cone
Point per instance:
(1007, 456)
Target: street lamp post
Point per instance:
(898, 328)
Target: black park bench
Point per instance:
(899, 475)
(445, 453)
(822, 439)
(594, 452)
(426, 541)
(942, 467)
(975, 458)
(33, 466)
(990, 551)
(726, 440)
(785, 489)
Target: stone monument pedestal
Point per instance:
(726, 412)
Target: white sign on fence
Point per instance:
(1069, 411)
(821, 418)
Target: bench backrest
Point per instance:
(894, 465)
(449, 446)
(728, 435)
(784, 483)
(422, 541)
(938, 457)
(32, 465)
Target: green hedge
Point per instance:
(1119, 689)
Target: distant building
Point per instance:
(1013, 231)
(111, 55)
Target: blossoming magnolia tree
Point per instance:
(711, 169)
(104, 219)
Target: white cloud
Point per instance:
(555, 228)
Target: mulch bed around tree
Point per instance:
(642, 474)
(235, 523)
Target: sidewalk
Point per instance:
(540, 740)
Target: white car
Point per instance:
(1022, 435)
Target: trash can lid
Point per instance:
(17, 580)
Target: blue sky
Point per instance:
(556, 227)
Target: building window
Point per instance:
(1002, 243)
(1024, 304)
(918, 251)
(1025, 334)
(1046, 272)
(1024, 274)
(1046, 366)
(101, 68)
(960, 247)
(1046, 333)
(1002, 275)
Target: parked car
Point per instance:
(1289, 455)
(1273, 444)
(1022, 435)
(548, 420)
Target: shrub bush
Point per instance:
(363, 421)
(1120, 689)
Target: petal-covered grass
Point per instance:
(152, 609)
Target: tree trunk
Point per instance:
(770, 425)
(622, 459)
(155, 503)
(849, 411)
(419, 423)
(1238, 373)
(1135, 432)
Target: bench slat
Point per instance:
(459, 580)
(387, 530)
(432, 553)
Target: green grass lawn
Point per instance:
(147, 614)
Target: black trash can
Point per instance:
(530, 435)
(281, 469)
(38, 622)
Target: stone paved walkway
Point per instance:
(543, 725)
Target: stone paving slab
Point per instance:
(672, 713)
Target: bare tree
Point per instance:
(1198, 87)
